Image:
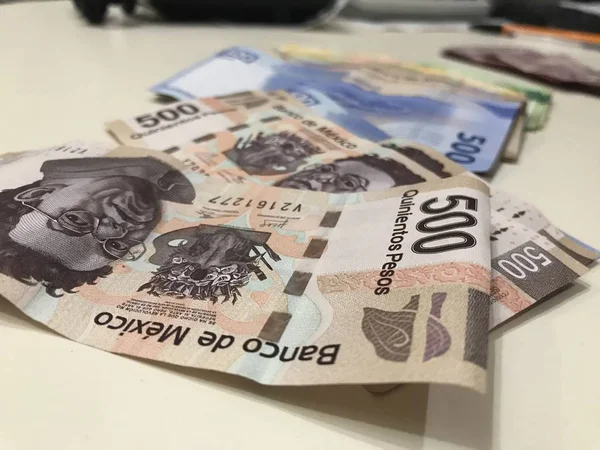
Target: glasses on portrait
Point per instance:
(81, 222)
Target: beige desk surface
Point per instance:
(60, 80)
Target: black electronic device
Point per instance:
(252, 11)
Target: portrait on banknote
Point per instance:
(208, 262)
(66, 229)
(272, 154)
(354, 174)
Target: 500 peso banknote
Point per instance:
(130, 253)
(182, 122)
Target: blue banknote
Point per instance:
(471, 131)
(332, 111)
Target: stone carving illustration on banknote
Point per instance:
(208, 262)
(66, 229)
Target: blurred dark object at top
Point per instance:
(548, 13)
(418, 10)
(247, 11)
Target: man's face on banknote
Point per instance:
(88, 223)
(66, 229)
(358, 174)
(272, 154)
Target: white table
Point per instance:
(61, 79)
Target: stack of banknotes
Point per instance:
(538, 98)
(259, 233)
(470, 123)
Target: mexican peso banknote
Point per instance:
(133, 253)
(472, 131)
